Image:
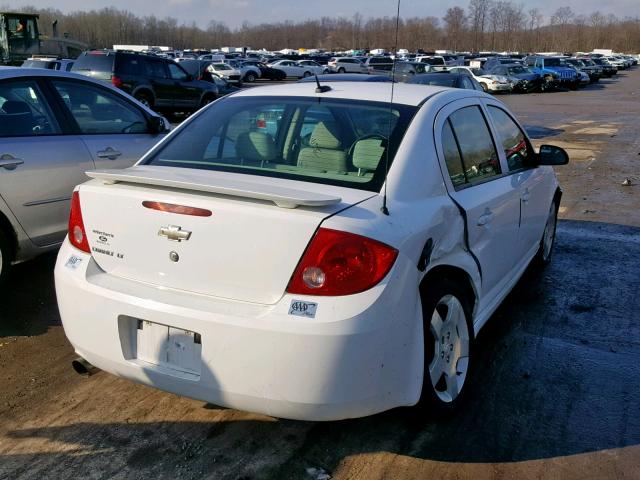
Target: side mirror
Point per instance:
(157, 125)
(552, 155)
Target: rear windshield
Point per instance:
(37, 64)
(439, 80)
(330, 141)
(94, 62)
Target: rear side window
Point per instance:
(452, 156)
(514, 142)
(128, 65)
(480, 161)
(335, 142)
(154, 69)
(23, 111)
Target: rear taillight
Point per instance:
(116, 81)
(341, 263)
(77, 234)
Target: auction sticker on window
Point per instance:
(303, 309)
(73, 262)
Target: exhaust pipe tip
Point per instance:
(84, 368)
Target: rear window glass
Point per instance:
(37, 64)
(437, 80)
(99, 62)
(336, 142)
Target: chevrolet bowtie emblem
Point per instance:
(174, 233)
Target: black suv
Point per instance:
(157, 82)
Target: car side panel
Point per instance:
(39, 190)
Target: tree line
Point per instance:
(484, 25)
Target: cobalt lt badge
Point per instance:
(174, 257)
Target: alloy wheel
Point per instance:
(450, 364)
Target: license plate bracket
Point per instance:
(169, 347)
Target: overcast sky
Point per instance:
(234, 12)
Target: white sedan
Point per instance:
(309, 254)
(489, 83)
(297, 69)
(227, 72)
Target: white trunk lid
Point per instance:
(246, 250)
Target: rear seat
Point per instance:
(326, 153)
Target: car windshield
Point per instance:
(477, 71)
(517, 70)
(336, 142)
(552, 62)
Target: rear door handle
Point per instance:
(9, 162)
(485, 218)
(109, 153)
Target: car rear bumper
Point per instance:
(360, 355)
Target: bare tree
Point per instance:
(456, 23)
(478, 11)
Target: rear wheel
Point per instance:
(145, 99)
(341, 70)
(206, 100)
(5, 257)
(448, 337)
(306, 74)
(543, 257)
(250, 77)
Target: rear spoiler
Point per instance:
(215, 182)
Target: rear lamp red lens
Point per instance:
(77, 233)
(341, 263)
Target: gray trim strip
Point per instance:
(45, 202)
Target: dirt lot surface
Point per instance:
(556, 392)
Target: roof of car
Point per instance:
(368, 91)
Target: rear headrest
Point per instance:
(13, 106)
(326, 135)
(368, 153)
(256, 146)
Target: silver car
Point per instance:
(54, 126)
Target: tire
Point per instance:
(145, 99)
(250, 77)
(548, 240)
(485, 89)
(206, 100)
(448, 342)
(5, 257)
(341, 70)
(306, 74)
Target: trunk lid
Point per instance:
(246, 250)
